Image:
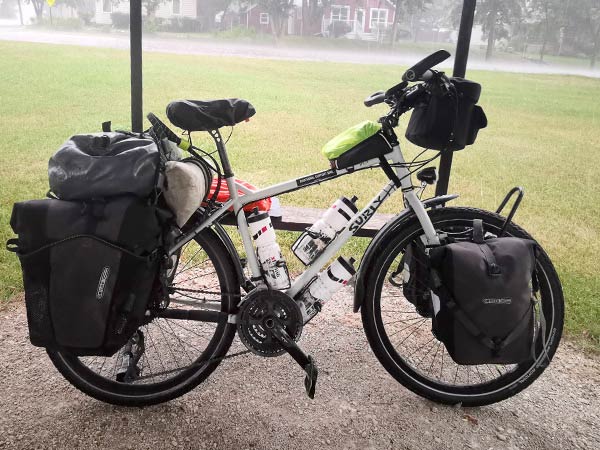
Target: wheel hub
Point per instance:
(261, 312)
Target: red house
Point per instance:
(353, 19)
(358, 19)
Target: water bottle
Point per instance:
(313, 241)
(268, 251)
(327, 283)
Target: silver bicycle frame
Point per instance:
(237, 202)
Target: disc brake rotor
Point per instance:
(261, 311)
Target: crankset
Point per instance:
(269, 324)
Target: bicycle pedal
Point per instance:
(310, 381)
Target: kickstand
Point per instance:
(131, 354)
(305, 361)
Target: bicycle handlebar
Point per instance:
(164, 132)
(421, 70)
(401, 98)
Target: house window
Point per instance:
(340, 13)
(176, 7)
(379, 17)
(106, 6)
(264, 18)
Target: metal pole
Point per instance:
(135, 38)
(460, 68)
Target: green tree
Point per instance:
(38, 7)
(584, 21)
(497, 17)
(151, 6)
(83, 8)
(312, 12)
(547, 18)
(8, 9)
(404, 8)
(279, 11)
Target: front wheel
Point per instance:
(400, 334)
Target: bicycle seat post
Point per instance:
(216, 135)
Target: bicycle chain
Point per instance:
(167, 372)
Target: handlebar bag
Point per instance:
(88, 270)
(356, 144)
(485, 311)
(91, 166)
(448, 121)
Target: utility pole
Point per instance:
(135, 49)
(460, 68)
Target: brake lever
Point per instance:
(375, 99)
(395, 90)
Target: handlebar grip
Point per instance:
(374, 99)
(162, 130)
(416, 72)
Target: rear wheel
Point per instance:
(174, 355)
(401, 336)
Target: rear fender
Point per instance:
(379, 242)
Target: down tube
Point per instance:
(355, 224)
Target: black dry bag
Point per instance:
(88, 270)
(486, 312)
(104, 165)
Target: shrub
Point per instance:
(237, 32)
(120, 20)
(65, 23)
(337, 29)
(152, 25)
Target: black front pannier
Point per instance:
(412, 275)
(448, 121)
(486, 312)
(104, 165)
(88, 270)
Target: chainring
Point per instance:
(260, 311)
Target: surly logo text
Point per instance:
(497, 301)
(102, 282)
(366, 215)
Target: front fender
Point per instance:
(386, 233)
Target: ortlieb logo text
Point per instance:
(102, 282)
(497, 301)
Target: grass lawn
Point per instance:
(544, 134)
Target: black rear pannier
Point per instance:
(88, 270)
(486, 312)
(104, 165)
(447, 121)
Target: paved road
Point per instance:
(254, 403)
(220, 47)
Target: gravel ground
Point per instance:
(250, 402)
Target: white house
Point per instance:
(166, 10)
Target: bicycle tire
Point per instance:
(129, 394)
(478, 394)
